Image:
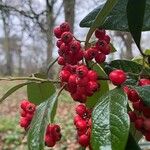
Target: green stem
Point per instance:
(51, 64)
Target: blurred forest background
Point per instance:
(27, 44)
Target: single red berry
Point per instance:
(64, 75)
(29, 116)
(132, 116)
(72, 79)
(61, 61)
(81, 125)
(49, 141)
(58, 44)
(90, 53)
(30, 108)
(106, 49)
(107, 39)
(75, 46)
(77, 118)
(100, 58)
(117, 77)
(147, 136)
(82, 71)
(65, 27)
(147, 124)
(24, 122)
(101, 44)
(133, 95)
(81, 110)
(77, 96)
(57, 32)
(92, 75)
(139, 122)
(23, 113)
(67, 37)
(92, 86)
(100, 34)
(84, 140)
(138, 105)
(24, 104)
(143, 82)
(80, 55)
(146, 111)
(82, 81)
(64, 49)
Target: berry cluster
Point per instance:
(70, 51)
(141, 114)
(27, 112)
(52, 132)
(52, 135)
(100, 49)
(80, 81)
(83, 123)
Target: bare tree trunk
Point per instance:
(69, 10)
(9, 60)
(49, 34)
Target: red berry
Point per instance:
(132, 116)
(75, 46)
(143, 82)
(65, 27)
(81, 125)
(24, 104)
(100, 34)
(146, 111)
(66, 37)
(138, 105)
(64, 75)
(107, 39)
(81, 110)
(24, 122)
(92, 86)
(82, 81)
(23, 113)
(139, 123)
(72, 79)
(64, 49)
(133, 95)
(92, 75)
(101, 44)
(84, 140)
(106, 49)
(80, 55)
(30, 108)
(49, 141)
(29, 116)
(58, 44)
(147, 124)
(126, 89)
(117, 77)
(57, 32)
(79, 97)
(77, 118)
(147, 136)
(61, 61)
(82, 71)
(100, 58)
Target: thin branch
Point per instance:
(58, 12)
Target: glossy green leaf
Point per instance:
(43, 115)
(135, 16)
(13, 89)
(104, 87)
(144, 92)
(39, 92)
(117, 18)
(100, 17)
(110, 122)
(132, 144)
